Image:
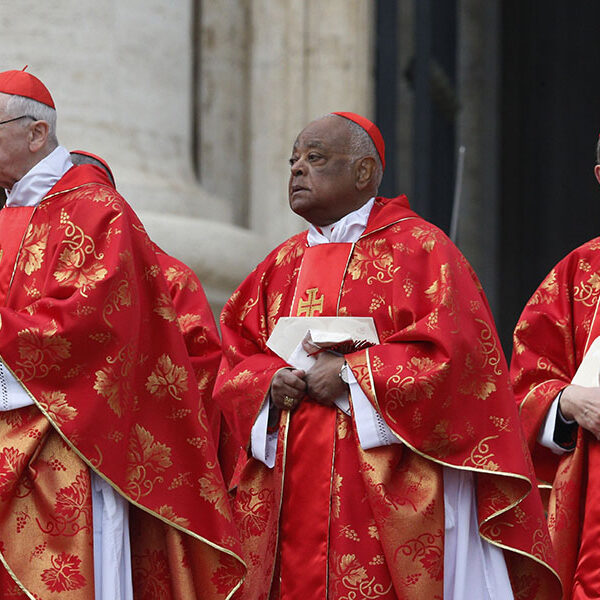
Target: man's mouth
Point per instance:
(298, 188)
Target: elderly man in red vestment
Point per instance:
(389, 463)
(109, 484)
(555, 370)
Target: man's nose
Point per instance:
(297, 167)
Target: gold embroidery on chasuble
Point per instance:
(40, 352)
(181, 278)
(34, 247)
(44, 496)
(147, 459)
(79, 264)
(548, 290)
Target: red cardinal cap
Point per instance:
(95, 157)
(371, 129)
(20, 83)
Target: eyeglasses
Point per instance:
(17, 118)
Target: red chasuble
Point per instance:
(439, 379)
(557, 326)
(86, 326)
(197, 323)
(191, 310)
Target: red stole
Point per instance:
(305, 511)
(586, 584)
(13, 223)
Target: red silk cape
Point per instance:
(439, 379)
(557, 326)
(87, 327)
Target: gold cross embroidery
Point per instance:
(308, 308)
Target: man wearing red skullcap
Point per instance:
(382, 452)
(555, 370)
(109, 483)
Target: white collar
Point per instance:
(40, 179)
(348, 229)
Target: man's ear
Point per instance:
(38, 135)
(597, 172)
(365, 171)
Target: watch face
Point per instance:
(344, 373)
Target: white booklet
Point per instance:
(289, 333)
(588, 373)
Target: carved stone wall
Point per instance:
(196, 106)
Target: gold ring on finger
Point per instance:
(288, 402)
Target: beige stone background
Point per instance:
(195, 105)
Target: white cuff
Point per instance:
(546, 434)
(12, 394)
(372, 430)
(262, 443)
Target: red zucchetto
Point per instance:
(20, 83)
(371, 129)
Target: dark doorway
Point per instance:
(431, 74)
(550, 123)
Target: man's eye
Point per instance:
(292, 160)
(313, 156)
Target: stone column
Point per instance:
(195, 105)
(223, 119)
(308, 58)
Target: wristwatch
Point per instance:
(344, 376)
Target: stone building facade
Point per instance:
(195, 105)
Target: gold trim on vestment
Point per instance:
(331, 483)
(535, 388)
(364, 235)
(372, 382)
(286, 428)
(474, 470)
(521, 553)
(15, 579)
(77, 187)
(541, 484)
(339, 300)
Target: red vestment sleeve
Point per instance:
(197, 324)
(248, 365)
(544, 358)
(550, 341)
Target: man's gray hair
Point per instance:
(19, 105)
(362, 145)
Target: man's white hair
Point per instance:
(362, 145)
(19, 105)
